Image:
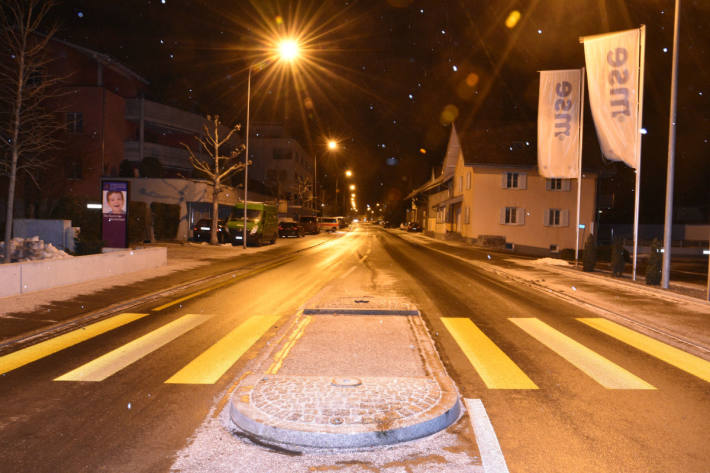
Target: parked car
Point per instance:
(310, 225)
(414, 227)
(202, 231)
(290, 229)
(328, 224)
(343, 222)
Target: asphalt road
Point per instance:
(135, 409)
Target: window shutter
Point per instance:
(504, 180)
(522, 181)
(520, 217)
(566, 183)
(548, 184)
(564, 218)
(546, 218)
(468, 181)
(502, 214)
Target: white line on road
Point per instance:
(488, 446)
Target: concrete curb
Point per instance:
(332, 413)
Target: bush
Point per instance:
(618, 257)
(166, 218)
(138, 222)
(590, 254)
(568, 254)
(653, 267)
(89, 223)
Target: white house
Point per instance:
(490, 193)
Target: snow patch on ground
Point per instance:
(32, 249)
(550, 261)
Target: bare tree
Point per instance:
(218, 167)
(28, 125)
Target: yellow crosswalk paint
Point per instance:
(114, 361)
(493, 366)
(671, 355)
(48, 347)
(603, 371)
(216, 360)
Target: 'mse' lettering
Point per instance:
(562, 120)
(618, 77)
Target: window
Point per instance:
(467, 215)
(512, 216)
(514, 180)
(73, 168)
(460, 184)
(282, 153)
(468, 181)
(557, 185)
(554, 249)
(556, 218)
(75, 122)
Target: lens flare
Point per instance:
(512, 19)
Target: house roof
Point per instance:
(500, 144)
(105, 60)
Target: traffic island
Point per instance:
(360, 375)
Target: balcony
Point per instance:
(164, 115)
(169, 157)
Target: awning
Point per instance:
(450, 201)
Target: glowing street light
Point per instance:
(352, 187)
(288, 51)
(332, 144)
(349, 173)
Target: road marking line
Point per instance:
(488, 446)
(671, 355)
(48, 347)
(216, 360)
(348, 272)
(225, 283)
(496, 369)
(116, 360)
(286, 349)
(603, 371)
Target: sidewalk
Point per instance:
(677, 318)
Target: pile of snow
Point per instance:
(31, 249)
(552, 261)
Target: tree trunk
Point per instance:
(215, 214)
(10, 205)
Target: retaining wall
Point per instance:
(29, 276)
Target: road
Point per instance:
(561, 395)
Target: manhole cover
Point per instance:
(346, 382)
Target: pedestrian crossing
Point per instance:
(497, 369)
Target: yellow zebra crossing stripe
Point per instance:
(114, 361)
(671, 355)
(216, 360)
(603, 371)
(493, 366)
(32, 353)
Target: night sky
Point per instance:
(386, 77)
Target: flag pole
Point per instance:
(668, 229)
(642, 53)
(579, 167)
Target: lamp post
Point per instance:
(288, 50)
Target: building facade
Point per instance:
(503, 204)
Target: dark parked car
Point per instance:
(203, 228)
(290, 229)
(414, 227)
(310, 225)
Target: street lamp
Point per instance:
(349, 173)
(332, 145)
(288, 50)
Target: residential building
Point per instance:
(490, 193)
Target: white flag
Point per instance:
(613, 79)
(558, 123)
